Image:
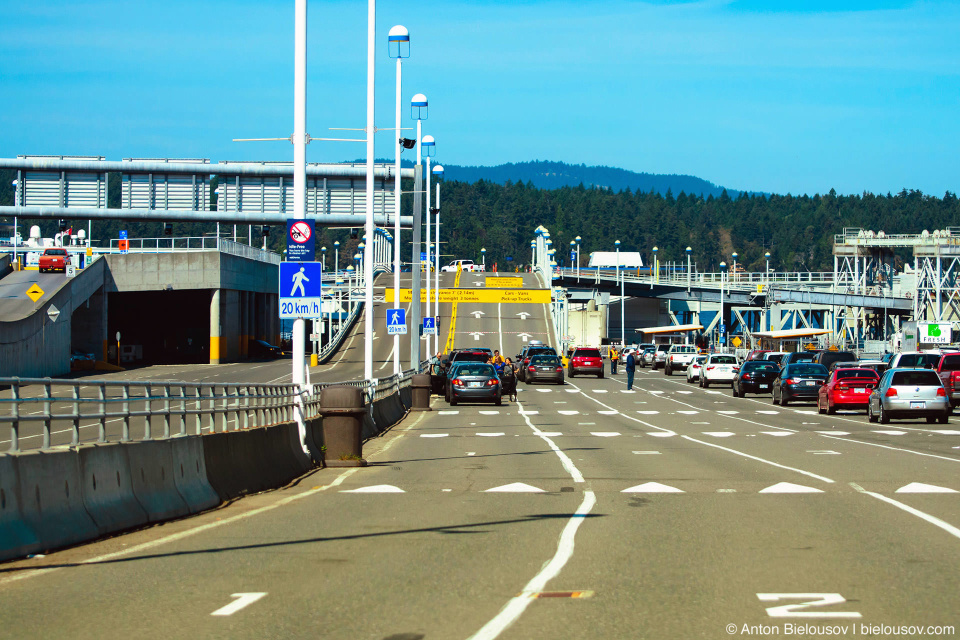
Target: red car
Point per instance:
(54, 260)
(586, 360)
(847, 389)
(756, 354)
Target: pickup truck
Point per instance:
(678, 357)
(949, 371)
(461, 265)
(54, 260)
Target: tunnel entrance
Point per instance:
(160, 327)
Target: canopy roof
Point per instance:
(674, 328)
(790, 333)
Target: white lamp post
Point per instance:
(533, 252)
(733, 275)
(336, 257)
(689, 251)
(323, 258)
(483, 257)
(398, 45)
(368, 312)
(767, 272)
(578, 239)
(723, 271)
(656, 266)
(438, 173)
(418, 111)
(623, 326)
(428, 147)
(16, 203)
(360, 257)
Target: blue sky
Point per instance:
(797, 96)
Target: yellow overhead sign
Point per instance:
(500, 282)
(523, 296)
(35, 292)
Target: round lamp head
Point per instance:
(337, 244)
(419, 107)
(617, 244)
(767, 255)
(734, 255)
(437, 171)
(428, 147)
(655, 249)
(689, 250)
(723, 266)
(323, 249)
(578, 239)
(483, 250)
(398, 42)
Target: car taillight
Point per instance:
(709, 368)
(843, 387)
(736, 369)
(890, 392)
(457, 382)
(531, 369)
(745, 376)
(492, 382)
(941, 392)
(560, 369)
(794, 380)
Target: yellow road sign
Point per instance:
(35, 292)
(736, 341)
(498, 282)
(522, 296)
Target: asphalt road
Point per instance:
(669, 512)
(14, 303)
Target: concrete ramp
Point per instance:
(34, 344)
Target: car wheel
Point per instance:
(831, 410)
(774, 398)
(600, 375)
(870, 416)
(498, 401)
(883, 417)
(734, 391)
(668, 370)
(453, 401)
(571, 374)
(944, 419)
(783, 400)
(820, 408)
(931, 419)
(706, 384)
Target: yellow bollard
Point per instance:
(313, 359)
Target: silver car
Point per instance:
(909, 393)
(695, 367)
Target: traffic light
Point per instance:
(264, 231)
(354, 233)
(62, 225)
(168, 228)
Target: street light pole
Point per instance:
(438, 172)
(577, 239)
(419, 111)
(398, 44)
(623, 326)
(483, 257)
(734, 270)
(723, 325)
(689, 250)
(368, 260)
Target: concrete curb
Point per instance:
(107, 489)
(190, 474)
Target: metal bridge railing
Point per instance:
(49, 413)
(169, 244)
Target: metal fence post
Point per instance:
(125, 408)
(46, 415)
(15, 423)
(75, 436)
(102, 401)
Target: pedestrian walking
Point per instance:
(508, 380)
(614, 359)
(631, 369)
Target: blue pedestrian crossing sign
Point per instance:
(300, 289)
(396, 321)
(429, 326)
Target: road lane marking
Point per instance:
(489, 413)
(789, 487)
(823, 452)
(688, 413)
(516, 606)
(529, 413)
(647, 453)
(648, 413)
(552, 434)
(763, 460)
(434, 435)
(949, 528)
(661, 434)
(652, 487)
(776, 433)
(833, 433)
(569, 413)
(605, 434)
(611, 412)
(919, 487)
(768, 412)
(377, 488)
(492, 435)
(449, 413)
(242, 600)
(515, 487)
(884, 446)
(719, 434)
(890, 432)
(599, 390)
(471, 453)
(728, 413)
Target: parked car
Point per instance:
(646, 358)
(718, 367)
(460, 265)
(466, 355)
(774, 356)
(54, 260)
(263, 349)
(799, 356)
(678, 357)
(831, 359)
(756, 354)
(544, 368)
(949, 371)
(586, 360)
(523, 360)
(473, 382)
(660, 355)
(622, 359)
(915, 360)
(846, 389)
(695, 367)
(755, 376)
(798, 381)
(909, 393)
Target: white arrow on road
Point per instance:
(524, 336)
(476, 334)
(477, 314)
(523, 315)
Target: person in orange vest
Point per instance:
(614, 359)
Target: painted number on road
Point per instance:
(797, 610)
(242, 600)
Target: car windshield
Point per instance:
(484, 370)
(587, 353)
(760, 365)
(471, 357)
(55, 252)
(843, 374)
(915, 378)
(700, 359)
(918, 360)
(811, 369)
(684, 349)
(544, 360)
(542, 351)
(723, 360)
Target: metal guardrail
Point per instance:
(155, 409)
(190, 244)
(740, 280)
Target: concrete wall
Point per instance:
(37, 346)
(190, 270)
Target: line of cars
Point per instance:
(908, 386)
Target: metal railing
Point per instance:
(56, 413)
(740, 280)
(170, 244)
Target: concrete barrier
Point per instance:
(243, 462)
(107, 489)
(154, 481)
(190, 474)
(51, 498)
(16, 537)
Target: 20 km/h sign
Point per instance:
(518, 296)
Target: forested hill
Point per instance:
(553, 175)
